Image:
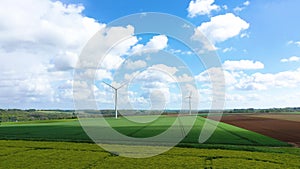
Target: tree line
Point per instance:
(15, 115)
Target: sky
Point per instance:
(42, 41)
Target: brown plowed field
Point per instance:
(290, 117)
(281, 129)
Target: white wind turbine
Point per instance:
(116, 96)
(190, 102)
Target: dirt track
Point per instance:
(284, 130)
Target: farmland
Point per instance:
(64, 144)
(283, 127)
(70, 130)
(34, 154)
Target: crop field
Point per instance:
(70, 130)
(280, 116)
(279, 126)
(36, 154)
(64, 144)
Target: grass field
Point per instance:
(70, 130)
(36, 154)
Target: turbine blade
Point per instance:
(109, 85)
(122, 85)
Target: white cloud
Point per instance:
(246, 3)
(234, 97)
(186, 25)
(207, 45)
(108, 37)
(227, 50)
(45, 24)
(222, 27)
(201, 7)
(239, 80)
(163, 72)
(244, 90)
(225, 7)
(158, 73)
(111, 62)
(165, 68)
(243, 35)
(157, 83)
(158, 42)
(39, 44)
(242, 65)
(99, 74)
(238, 9)
(248, 84)
(135, 64)
(154, 80)
(291, 59)
(102, 74)
(184, 78)
(178, 51)
(287, 78)
(65, 60)
(297, 43)
(260, 81)
(155, 44)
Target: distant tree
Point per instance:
(74, 116)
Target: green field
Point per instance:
(70, 130)
(35, 154)
(26, 145)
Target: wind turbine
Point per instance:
(190, 103)
(116, 96)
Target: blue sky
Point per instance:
(259, 48)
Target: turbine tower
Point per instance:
(190, 103)
(116, 96)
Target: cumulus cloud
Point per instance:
(155, 44)
(110, 46)
(65, 60)
(261, 81)
(39, 44)
(291, 42)
(291, 59)
(246, 3)
(129, 46)
(201, 7)
(225, 7)
(242, 65)
(45, 24)
(225, 50)
(222, 27)
(129, 64)
(99, 74)
(237, 79)
(157, 83)
(153, 80)
(167, 69)
(184, 78)
(239, 9)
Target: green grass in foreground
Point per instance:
(35, 154)
(70, 130)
